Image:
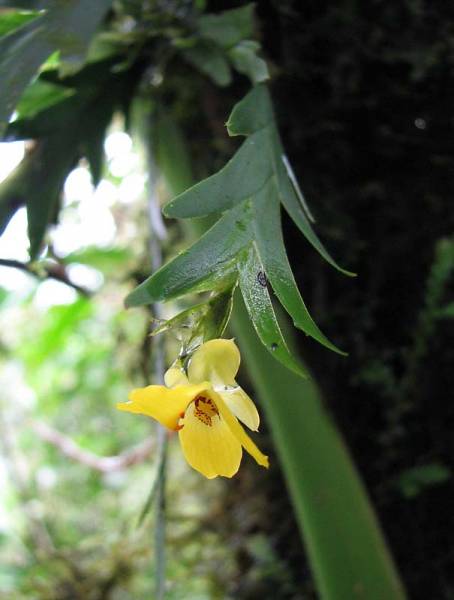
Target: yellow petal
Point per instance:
(175, 376)
(211, 449)
(239, 432)
(242, 406)
(161, 403)
(217, 361)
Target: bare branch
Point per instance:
(103, 464)
(49, 270)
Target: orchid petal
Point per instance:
(212, 449)
(239, 432)
(242, 406)
(217, 361)
(161, 403)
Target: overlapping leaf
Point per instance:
(63, 131)
(222, 41)
(247, 240)
(64, 26)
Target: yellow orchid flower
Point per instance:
(204, 407)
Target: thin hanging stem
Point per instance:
(160, 508)
(158, 235)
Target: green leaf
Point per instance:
(64, 132)
(93, 148)
(252, 187)
(252, 113)
(348, 554)
(270, 244)
(245, 60)
(242, 176)
(22, 53)
(297, 212)
(229, 27)
(208, 264)
(36, 183)
(11, 19)
(39, 96)
(66, 26)
(249, 116)
(210, 60)
(221, 39)
(257, 299)
(252, 116)
(48, 165)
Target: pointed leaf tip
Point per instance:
(207, 265)
(240, 179)
(273, 255)
(252, 113)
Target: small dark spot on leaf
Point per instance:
(262, 278)
(274, 346)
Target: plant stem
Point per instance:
(160, 513)
(158, 235)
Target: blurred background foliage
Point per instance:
(70, 504)
(363, 94)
